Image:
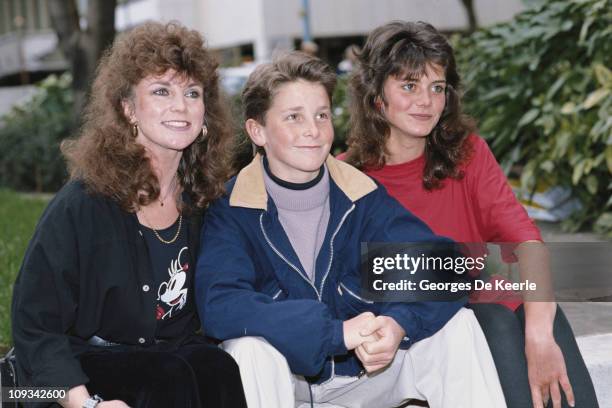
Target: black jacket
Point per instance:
(86, 272)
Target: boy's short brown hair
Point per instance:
(266, 79)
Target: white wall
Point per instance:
(267, 23)
(134, 13)
(227, 23)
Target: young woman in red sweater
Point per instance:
(409, 134)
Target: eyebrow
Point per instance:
(301, 108)
(168, 84)
(416, 79)
(294, 108)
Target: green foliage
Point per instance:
(18, 217)
(30, 136)
(541, 87)
(341, 114)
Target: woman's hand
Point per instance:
(546, 370)
(79, 394)
(113, 404)
(545, 363)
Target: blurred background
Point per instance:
(536, 74)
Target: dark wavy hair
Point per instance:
(405, 49)
(106, 155)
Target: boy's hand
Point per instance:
(353, 327)
(378, 354)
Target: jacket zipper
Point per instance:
(331, 257)
(281, 256)
(331, 247)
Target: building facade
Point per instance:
(238, 29)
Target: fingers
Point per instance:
(555, 394)
(113, 404)
(374, 337)
(536, 397)
(368, 358)
(567, 389)
(545, 395)
(351, 329)
(371, 363)
(372, 326)
(372, 369)
(540, 396)
(367, 315)
(375, 347)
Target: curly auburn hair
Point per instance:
(405, 49)
(106, 155)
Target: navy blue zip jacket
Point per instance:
(249, 280)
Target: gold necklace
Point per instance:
(178, 230)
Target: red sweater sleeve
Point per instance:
(503, 218)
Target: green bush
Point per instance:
(541, 88)
(341, 114)
(30, 135)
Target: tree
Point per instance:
(471, 14)
(83, 46)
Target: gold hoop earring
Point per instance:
(135, 130)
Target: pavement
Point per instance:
(591, 321)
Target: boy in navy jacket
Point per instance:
(278, 275)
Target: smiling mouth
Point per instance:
(421, 116)
(177, 124)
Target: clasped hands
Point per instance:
(375, 339)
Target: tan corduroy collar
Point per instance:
(250, 190)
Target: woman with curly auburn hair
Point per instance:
(409, 134)
(104, 305)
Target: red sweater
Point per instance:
(480, 207)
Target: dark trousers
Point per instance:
(505, 333)
(195, 375)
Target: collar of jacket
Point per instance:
(250, 191)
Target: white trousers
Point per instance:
(453, 368)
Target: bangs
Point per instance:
(155, 49)
(409, 61)
(185, 69)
